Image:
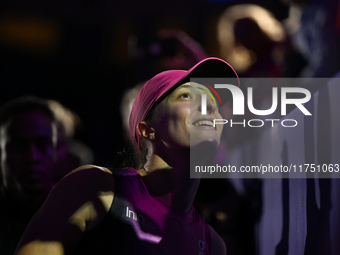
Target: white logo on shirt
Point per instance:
(140, 218)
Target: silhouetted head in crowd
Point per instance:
(27, 147)
(246, 34)
(249, 34)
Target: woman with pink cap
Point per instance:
(94, 210)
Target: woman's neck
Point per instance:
(171, 183)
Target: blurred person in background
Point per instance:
(248, 35)
(255, 43)
(71, 153)
(28, 138)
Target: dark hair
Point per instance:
(24, 104)
(138, 158)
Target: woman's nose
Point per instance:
(208, 106)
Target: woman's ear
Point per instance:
(146, 131)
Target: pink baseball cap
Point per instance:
(161, 83)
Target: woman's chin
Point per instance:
(203, 150)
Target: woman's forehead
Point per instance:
(191, 85)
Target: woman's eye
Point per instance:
(185, 95)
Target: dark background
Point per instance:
(76, 53)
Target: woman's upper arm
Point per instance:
(76, 204)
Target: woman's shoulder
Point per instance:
(87, 182)
(89, 168)
(126, 171)
(88, 191)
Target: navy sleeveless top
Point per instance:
(138, 223)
